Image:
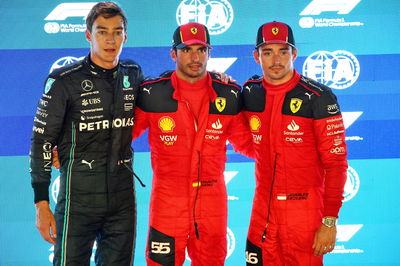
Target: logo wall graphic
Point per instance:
(228, 176)
(217, 15)
(352, 184)
(338, 69)
(344, 234)
(55, 189)
(348, 119)
(316, 7)
(220, 64)
(63, 61)
(64, 11)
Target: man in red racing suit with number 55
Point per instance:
(301, 165)
(190, 115)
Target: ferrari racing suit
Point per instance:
(188, 205)
(299, 139)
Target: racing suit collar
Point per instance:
(212, 95)
(284, 87)
(99, 71)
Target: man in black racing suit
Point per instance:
(87, 112)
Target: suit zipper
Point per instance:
(264, 235)
(198, 177)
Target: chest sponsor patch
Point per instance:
(295, 105)
(220, 104)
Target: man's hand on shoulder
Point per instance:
(224, 77)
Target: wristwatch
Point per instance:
(329, 221)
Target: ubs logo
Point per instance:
(217, 15)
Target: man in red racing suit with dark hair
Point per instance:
(190, 116)
(301, 164)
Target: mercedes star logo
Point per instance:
(87, 85)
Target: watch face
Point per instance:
(329, 222)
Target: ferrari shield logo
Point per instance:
(193, 30)
(295, 105)
(275, 30)
(220, 103)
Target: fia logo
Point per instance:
(352, 184)
(217, 15)
(338, 69)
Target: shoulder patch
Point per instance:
(313, 85)
(254, 95)
(49, 84)
(129, 64)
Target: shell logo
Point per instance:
(255, 123)
(166, 124)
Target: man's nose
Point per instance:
(110, 38)
(195, 56)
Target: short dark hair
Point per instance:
(107, 10)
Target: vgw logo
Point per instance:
(217, 15)
(316, 7)
(338, 69)
(64, 11)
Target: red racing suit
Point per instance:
(298, 133)
(188, 206)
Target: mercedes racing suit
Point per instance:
(298, 133)
(87, 112)
(188, 205)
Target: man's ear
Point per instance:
(294, 54)
(256, 56)
(173, 54)
(88, 35)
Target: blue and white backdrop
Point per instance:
(350, 45)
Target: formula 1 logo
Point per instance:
(64, 11)
(344, 234)
(217, 15)
(338, 69)
(316, 7)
